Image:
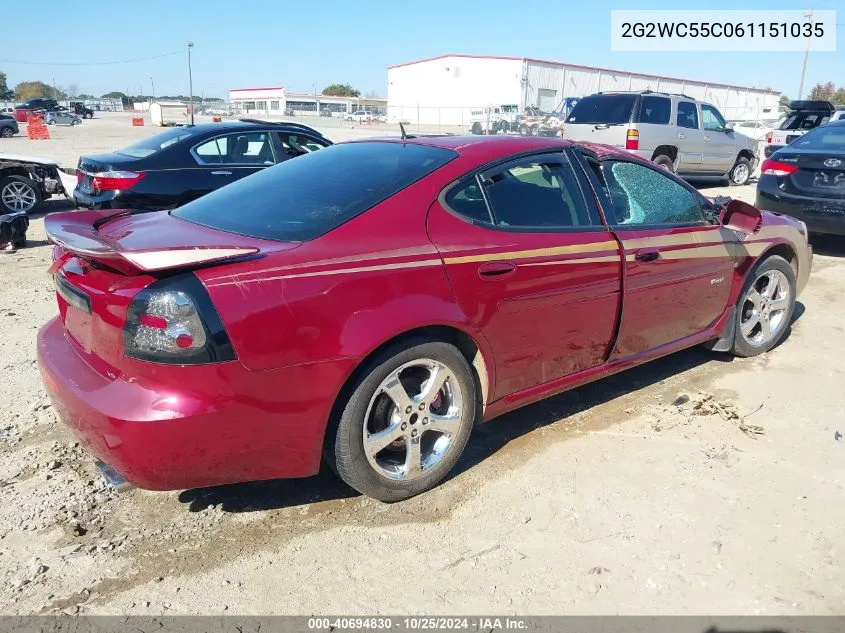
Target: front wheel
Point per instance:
(504, 127)
(51, 122)
(406, 422)
(75, 122)
(18, 194)
(476, 128)
(534, 130)
(741, 171)
(765, 306)
(7, 132)
(88, 115)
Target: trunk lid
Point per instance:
(104, 258)
(100, 163)
(820, 174)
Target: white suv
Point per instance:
(679, 133)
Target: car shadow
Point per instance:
(487, 439)
(830, 245)
(53, 205)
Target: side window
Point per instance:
(536, 193)
(711, 119)
(687, 115)
(655, 110)
(467, 200)
(645, 196)
(248, 148)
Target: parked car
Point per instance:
(61, 118)
(8, 126)
(368, 303)
(27, 180)
(679, 133)
(806, 179)
(758, 130)
(803, 117)
(359, 116)
(325, 112)
(169, 169)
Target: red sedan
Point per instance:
(369, 303)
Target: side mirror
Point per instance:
(741, 217)
(729, 127)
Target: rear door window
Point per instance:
(613, 109)
(687, 115)
(655, 110)
(243, 148)
(299, 200)
(155, 144)
(293, 145)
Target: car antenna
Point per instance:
(402, 127)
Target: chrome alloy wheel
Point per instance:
(741, 174)
(764, 308)
(412, 419)
(18, 196)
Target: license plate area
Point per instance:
(830, 181)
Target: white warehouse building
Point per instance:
(444, 90)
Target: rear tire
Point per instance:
(523, 130)
(765, 306)
(7, 132)
(665, 162)
(535, 130)
(476, 128)
(413, 436)
(741, 171)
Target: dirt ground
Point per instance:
(697, 484)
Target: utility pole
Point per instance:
(808, 13)
(190, 82)
(152, 83)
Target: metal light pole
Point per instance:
(152, 83)
(808, 13)
(191, 82)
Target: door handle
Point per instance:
(221, 173)
(647, 255)
(706, 139)
(496, 270)
(681, 135)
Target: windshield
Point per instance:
(610, 109)
(154, 144)
(827, 137)
(304, 198)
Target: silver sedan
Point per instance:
(61, 118)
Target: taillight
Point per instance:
(776, 168)
(769, 137)
(174, 321)
(116, 180)
(80, 175)
(632, 140)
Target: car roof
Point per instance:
(202, 128)
(497, 146)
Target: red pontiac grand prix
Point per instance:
(368, 303)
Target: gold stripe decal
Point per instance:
(576, 260)
(341, 271)
(537, 252)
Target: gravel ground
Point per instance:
(695, 484)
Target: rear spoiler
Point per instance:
(76, 233)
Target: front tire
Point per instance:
(741, 171)
(523, 130)
(765, 306)
(476, 128)
(534, 130)
(7, 132)
(406, 422)
(18, 194)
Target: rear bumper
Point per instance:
(821, 215)
(108, 200)
(205, 425)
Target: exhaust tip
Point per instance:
(112, 477)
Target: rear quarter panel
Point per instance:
(341, 295)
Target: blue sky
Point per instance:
(304, 44)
